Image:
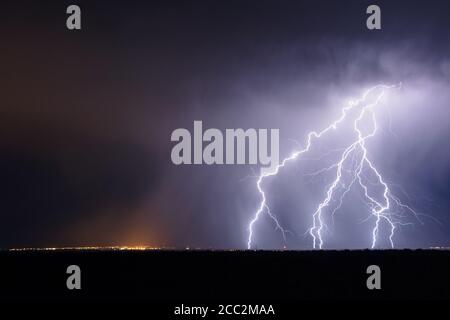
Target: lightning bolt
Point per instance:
(354, 158)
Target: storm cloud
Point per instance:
(87, 116)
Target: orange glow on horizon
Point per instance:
(118, 248)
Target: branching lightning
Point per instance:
(354, 159)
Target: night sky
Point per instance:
(86, 117)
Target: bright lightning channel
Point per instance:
(380, 209)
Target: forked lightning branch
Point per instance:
(354, 161)
(351, 170)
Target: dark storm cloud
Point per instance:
(87, 116)
(45, 191)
